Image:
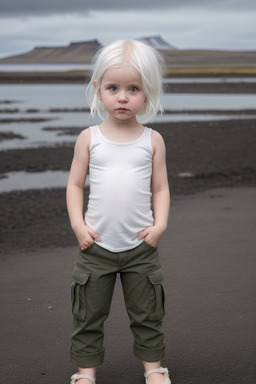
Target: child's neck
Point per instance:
(123, 132)
(121, 124)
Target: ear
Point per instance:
(97, 89)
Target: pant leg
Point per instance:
(142, 280)
(93, 283)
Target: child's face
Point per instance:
(121, 92)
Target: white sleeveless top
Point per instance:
(119, 205)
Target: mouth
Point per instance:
(122, 109)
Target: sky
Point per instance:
(186, 24)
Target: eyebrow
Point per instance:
(129, 85)
(136, 84)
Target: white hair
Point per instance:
(147, 61)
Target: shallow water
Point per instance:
(200, 101)
(42, 98)
(47, 96)
(43, 67)
(21, 181)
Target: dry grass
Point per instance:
(214, 70)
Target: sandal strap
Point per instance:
(77, 376)
(157, 370)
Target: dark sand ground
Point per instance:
(208, 255)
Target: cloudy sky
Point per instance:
(214, 24)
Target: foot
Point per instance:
(83, 381)
(156, 378)
(82, 378)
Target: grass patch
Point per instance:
(211, 70)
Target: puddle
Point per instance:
(22, 181)
(185, 174)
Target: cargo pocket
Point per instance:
(157, 303)
(150, 246)
(84, 250)
(80, 278)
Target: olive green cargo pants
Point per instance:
(93, 283)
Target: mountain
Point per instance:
(78, 52)
(157, 42)
(83, 52)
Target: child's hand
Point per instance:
(151, 235)
(85, 236)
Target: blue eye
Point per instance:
(133, 89)
(113, 88)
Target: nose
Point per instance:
(122, 97)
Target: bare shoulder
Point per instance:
(84, 139)
(85, 135)
(157, 141)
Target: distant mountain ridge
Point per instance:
(76, 52)
(83, 52)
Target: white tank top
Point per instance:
(119, 205)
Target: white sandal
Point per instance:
(159, 370)
(77, 376)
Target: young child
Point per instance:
(120, 232)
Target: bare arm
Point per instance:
(160, 192)
(75, 187)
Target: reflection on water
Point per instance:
(44, 96)
(43, 67)
(20, 181)
(201, 101)
(47, 96)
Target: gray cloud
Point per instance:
(219, 24)
(32, 7)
